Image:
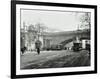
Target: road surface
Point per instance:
(54, 59)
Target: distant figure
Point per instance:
(38, 46)
(23, 49)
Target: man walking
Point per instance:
(38, 46)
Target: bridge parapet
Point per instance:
(66, 37)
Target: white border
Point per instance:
(52, 70)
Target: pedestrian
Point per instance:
(38, 46)
(23, 50)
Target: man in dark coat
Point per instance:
(38, 46)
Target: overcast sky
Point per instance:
(61, 21)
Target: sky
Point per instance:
(55, 20)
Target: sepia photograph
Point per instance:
(53, 39)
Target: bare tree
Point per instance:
(41, 28)
(86, 20)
